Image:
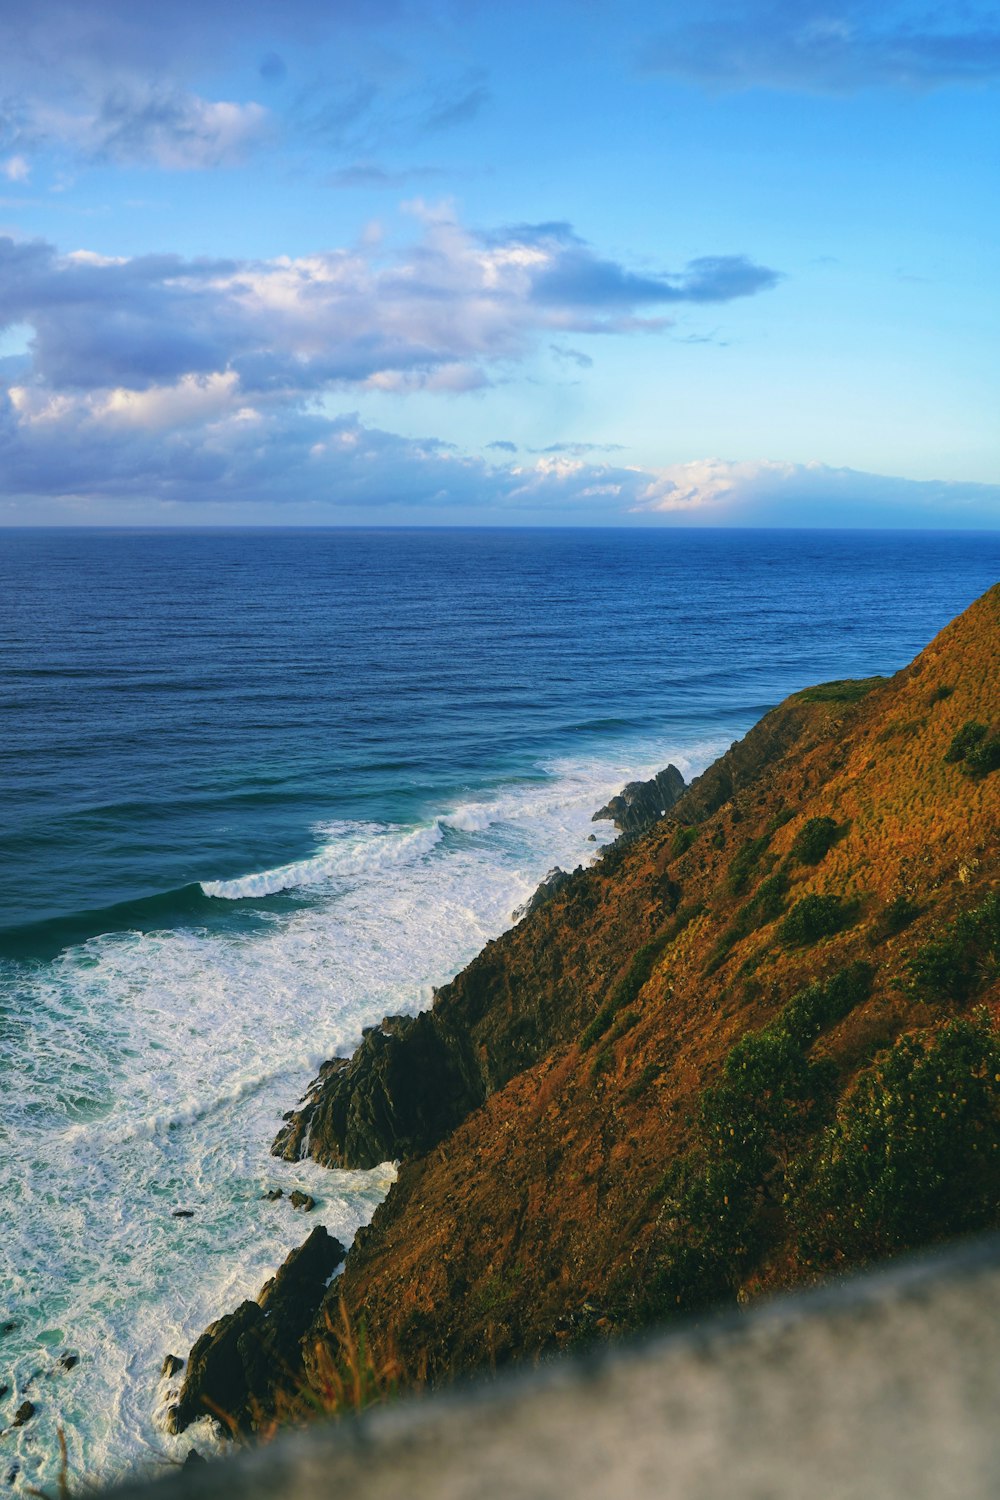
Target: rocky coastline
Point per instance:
(714, 1001)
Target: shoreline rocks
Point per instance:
(640, 804)
(244, 1361)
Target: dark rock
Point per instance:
(591, 837)
(69, 1361)
(273, 1194)
(397, 1096)
(553, 882)
(193, 1459)
(171, 1366)
(4, 1391)
(640, 804)
(240, 1362)
(24, 1413)
(182, 1213)
(216, 1379)
(305, 1201)
(8, 1327)
(13, 1472)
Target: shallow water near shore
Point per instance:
(261, 789)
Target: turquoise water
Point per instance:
(259, 789)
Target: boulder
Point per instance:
(640, 804)
(24, 1413)
(305, 1201)
(171, 1366)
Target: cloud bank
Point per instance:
(766, 492)
(436, 314)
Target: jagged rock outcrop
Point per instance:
(243, 1359)
(640, 804)
(405, 1087)
(544, 891)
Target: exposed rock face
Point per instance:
(398, 1095)
(241, 1360)
(640, 804)
(544, 891)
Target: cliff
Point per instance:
(751, 1045)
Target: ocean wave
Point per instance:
(45, 939)
(360, 849)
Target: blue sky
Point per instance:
(304, 263)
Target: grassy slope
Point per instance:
(556, 1210)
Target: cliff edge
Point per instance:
(752, 1045)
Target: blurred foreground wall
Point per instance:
(885, 1385)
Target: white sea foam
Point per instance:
(143, 1073)
(353, 849)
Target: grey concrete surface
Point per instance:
(882, 1386)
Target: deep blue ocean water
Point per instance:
(259, 788)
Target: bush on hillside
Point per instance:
(914, 1154)
(814, 840)
(963, 955)
(812, 918)
(975, 748)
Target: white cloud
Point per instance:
(433, 315)
(778, 493)
(16, 168)
(147, 124)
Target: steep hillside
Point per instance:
(749, 1047)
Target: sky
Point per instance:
(324, 262)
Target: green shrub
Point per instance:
(782, 816)
(940, 693)
(744, 863)
(814, 840)
(846, 691)
(627, 990)
(984, 757)
(639, 1085)
(966, 953)
(900, 912)
(715, 1199)
(603, 1059)
(682, 840)
(767, 903)
(914, 1154)
(966, 739)
(812, 918)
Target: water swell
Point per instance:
(187, 905)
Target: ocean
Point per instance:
(260, 788)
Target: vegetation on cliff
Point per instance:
(752, 1045)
